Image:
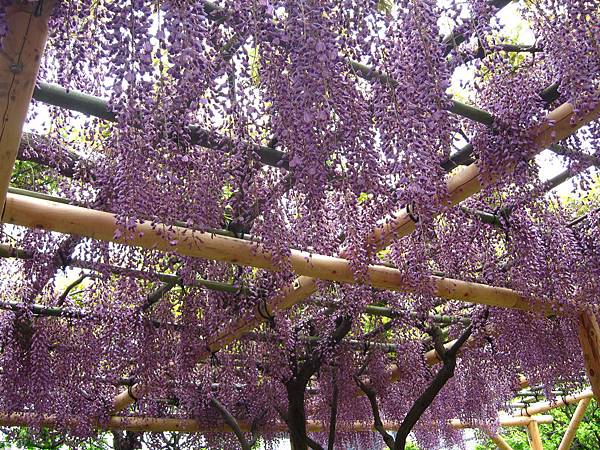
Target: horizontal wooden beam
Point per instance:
(158, 425)
(542, 407)
(51, 216)
(505, 421)
(557, 125)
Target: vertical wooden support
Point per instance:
(499, 441)
(533, 432)
(20, 59)
(589, 338)
(567, 439)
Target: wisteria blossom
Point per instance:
(300, 125)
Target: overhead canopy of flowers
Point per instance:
(264, 210)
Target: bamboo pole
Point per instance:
(533, 433)
(42, 214)
(505, 421)
(567, 440)
(589, 339)
(542, 407)
(22, 49)
(499, 441)
(97, 107)
(158, 425)
(555, 127)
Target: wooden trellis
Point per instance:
(23, 48)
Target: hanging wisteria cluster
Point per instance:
(299, 125)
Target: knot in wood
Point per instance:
(16, 68)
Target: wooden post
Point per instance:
(589, 338)
(533, 433)
(567, 440)
(22, 50)
(499, 441)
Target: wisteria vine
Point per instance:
(352, 102)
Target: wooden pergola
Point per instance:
(23, 49)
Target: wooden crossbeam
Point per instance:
(542, 407)
(158, 425)
(505, 421)
(20, 58)
(51, 216)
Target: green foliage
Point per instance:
(583, 202)
(386, 7)
(32, 176)
(411, 446)
(25, 439)
(254, 58)
(587, 438)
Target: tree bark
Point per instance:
(296, 389)
(127, 440)
(296, 415)
(428, 396)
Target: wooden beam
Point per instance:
(154, 424)
(589, 339)
(567, 440)
(158, 425)
(22, 50)
(52, 216)
(542, 407)
(504, 421)
(554, 128)
(533, 433)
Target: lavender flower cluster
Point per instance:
(354, 98)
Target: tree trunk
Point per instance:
(296, 417)
(127, 440)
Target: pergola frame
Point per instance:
(24, 45)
